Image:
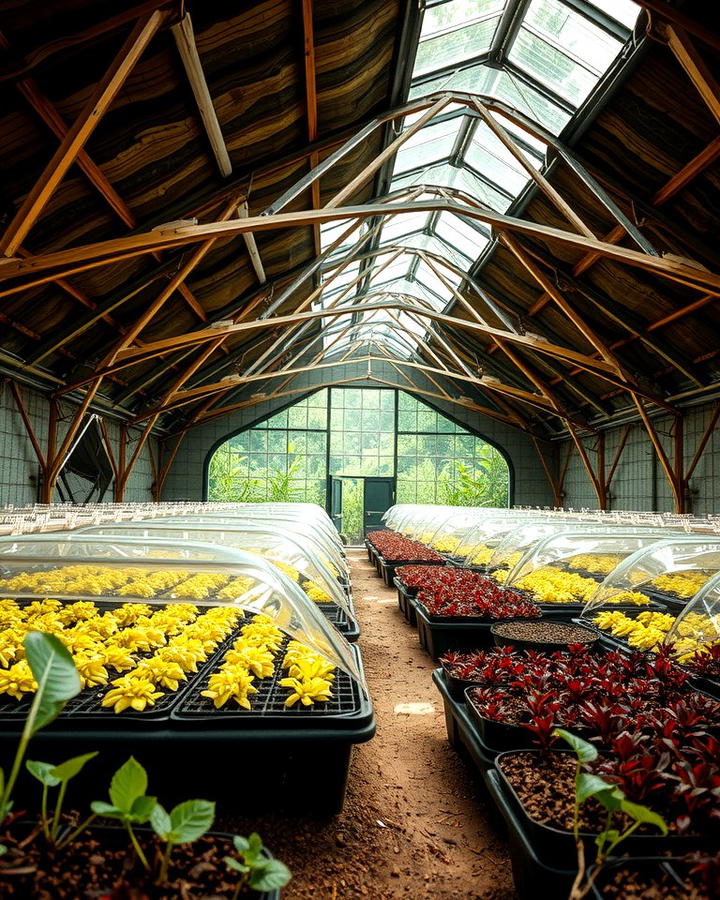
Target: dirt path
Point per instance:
(415, 824)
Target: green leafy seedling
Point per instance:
(129, 803)
(615, 803)
(186, 823)
(256, 870)
(51, 776)
(58, 681)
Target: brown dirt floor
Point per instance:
(416, 822)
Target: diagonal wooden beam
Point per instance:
(81, 129)
(184, 37)
(695, 67)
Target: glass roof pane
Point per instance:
(573, 33)
(453, 47)
(624, 11)
(431, 143)
(403, 223)
(434, 245)
(551, 67)
(457, 12)
(490, 158)
(459, 234)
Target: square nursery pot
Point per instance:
(255, 760)
(456, 686)
(460, 730)
(534, 877)
(386, 568)
(116, 837)
(405, 602)
(439, 634)
(556, 846)
(496, 736)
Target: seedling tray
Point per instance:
(346, 710)
(460, 731)
(337, 616)
(248, 763)
(530, 872)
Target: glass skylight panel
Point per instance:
(431, 143)
(432, 244)
(572, 33)
(623, 11)
(446, 16)
(403, 223)
(460, 234)
(490, 158)
(452, 47)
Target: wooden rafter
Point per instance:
(81, 129)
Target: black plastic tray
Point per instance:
(86, 710)
(386, 569)
(337, 616)
(347, 710)
(405, 602)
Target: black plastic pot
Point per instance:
(405, 602)
(557, 846)
(116, 835)
(497, 736)
(457, 686)
(386, 568)
(460, 731)
(533, 876)
(438, 636)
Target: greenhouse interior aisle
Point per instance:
(415, 823)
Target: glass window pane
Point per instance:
(572, 32)
(552, 67)
(454, 46)
(431, 143)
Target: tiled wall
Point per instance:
(185, 480)
(18, 464)
(639, 482)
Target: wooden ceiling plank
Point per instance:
(76, 137)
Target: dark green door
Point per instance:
(336, 505)
(379, 496)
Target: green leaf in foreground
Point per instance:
(54, 670)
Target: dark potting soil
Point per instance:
(91, 869)
(627, 884)
(560, 633)
(546, 789)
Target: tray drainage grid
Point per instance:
(270, 699)
(334, 614)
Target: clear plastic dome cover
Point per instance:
(676, 566)
(161, 572)
(516, 542)
(566, 567)
(291, 554)
(329, 552)
(697, 627)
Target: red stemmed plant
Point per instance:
(395, 547)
